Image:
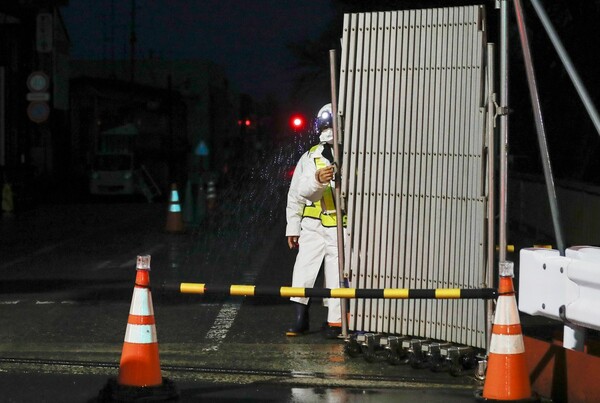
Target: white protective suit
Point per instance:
(316, 242)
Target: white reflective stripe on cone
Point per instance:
(141, 302)
(141, 334)
(506, 311)
(507, 344)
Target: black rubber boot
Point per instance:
(301, 324)
(332, 332)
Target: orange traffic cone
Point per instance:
(140, 364)
(174, 216)
(507, 376)
(139, 370)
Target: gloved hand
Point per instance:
(324, 175)
(293, 241)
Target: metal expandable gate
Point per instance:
(411, 111)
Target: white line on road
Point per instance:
(221, 325)
(226, 316)
(38, 302)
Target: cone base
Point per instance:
(479, 397)
(113, 392)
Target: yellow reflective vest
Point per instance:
(327, 215)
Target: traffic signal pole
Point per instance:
(338, 189)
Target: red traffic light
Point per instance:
(248, 123)
(297, 122)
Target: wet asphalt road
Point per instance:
(67, 273)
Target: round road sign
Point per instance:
(38, 111)
(38, 81)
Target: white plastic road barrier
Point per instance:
(565, 288)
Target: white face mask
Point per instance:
(326, 136)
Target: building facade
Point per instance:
(34, 94)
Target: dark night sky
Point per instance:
(247, 38)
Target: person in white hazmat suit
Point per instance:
(312, 227)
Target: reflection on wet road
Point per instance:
(67, 274)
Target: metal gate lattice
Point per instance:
(411, 110)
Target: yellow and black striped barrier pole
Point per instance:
(286, 292)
